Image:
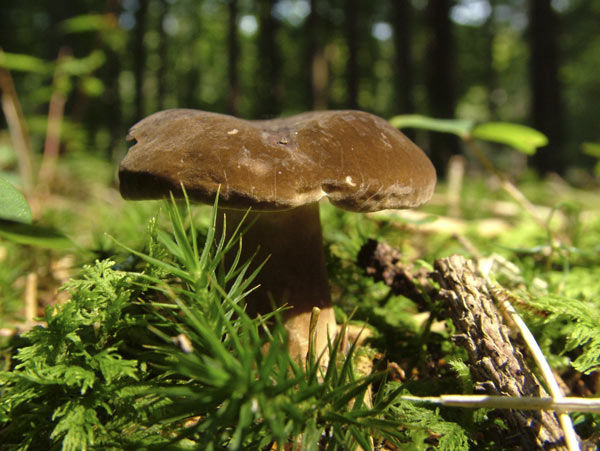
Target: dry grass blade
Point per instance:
(56, 111)
(564, 404)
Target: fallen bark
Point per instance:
(497, 366)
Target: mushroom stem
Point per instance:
(294, 275)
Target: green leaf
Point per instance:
(85, 65)
(13, 205)
(592, 149)
(8, 156)
(459, 127)
(524, 139)
(88, 22)
(23, 63)
(92, 86)
(33, 235)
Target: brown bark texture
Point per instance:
(497, 366)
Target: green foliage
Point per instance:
(522, 138)
(34, 235)
(69, 65)
(15, 222)
(593, 149)
(420, 422)
(82, 66)
(578, 321)
(458, 127)
(69, 383)
(23, 63)
(246, 397)
(87, 23)
(13, 206)
(167, 357)
(164, 356)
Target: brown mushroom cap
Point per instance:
(357, 160)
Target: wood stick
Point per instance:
(31, 298)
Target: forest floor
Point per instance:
(131, 342)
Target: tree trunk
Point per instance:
(58, 11)
(139, 57)
(402, 25)
(111, 95)
(310, 54)
(546, 105)
(233, 58)
(491, 78)
(352, 68)
(268, 83)
(189, 83)
(401, 15)
(161, 73)
(189, 94)
(441, 79)
(317, 70)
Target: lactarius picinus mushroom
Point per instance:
(281, 168)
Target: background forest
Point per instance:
(121, 326)
(530, 62)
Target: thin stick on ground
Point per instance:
(564, 404)
(31, 299)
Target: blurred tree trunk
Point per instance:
(232, 59)
(402, 24)
(310, 54)
(189, 94)
(139, 57)
(113, 98)
(352, 38)
(58, 11)
(491, 78)
(268, 77)
(317, 70)
(163, 46)
(189, 80)
(546, 106)
(441, 79)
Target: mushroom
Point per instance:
(281, 168)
